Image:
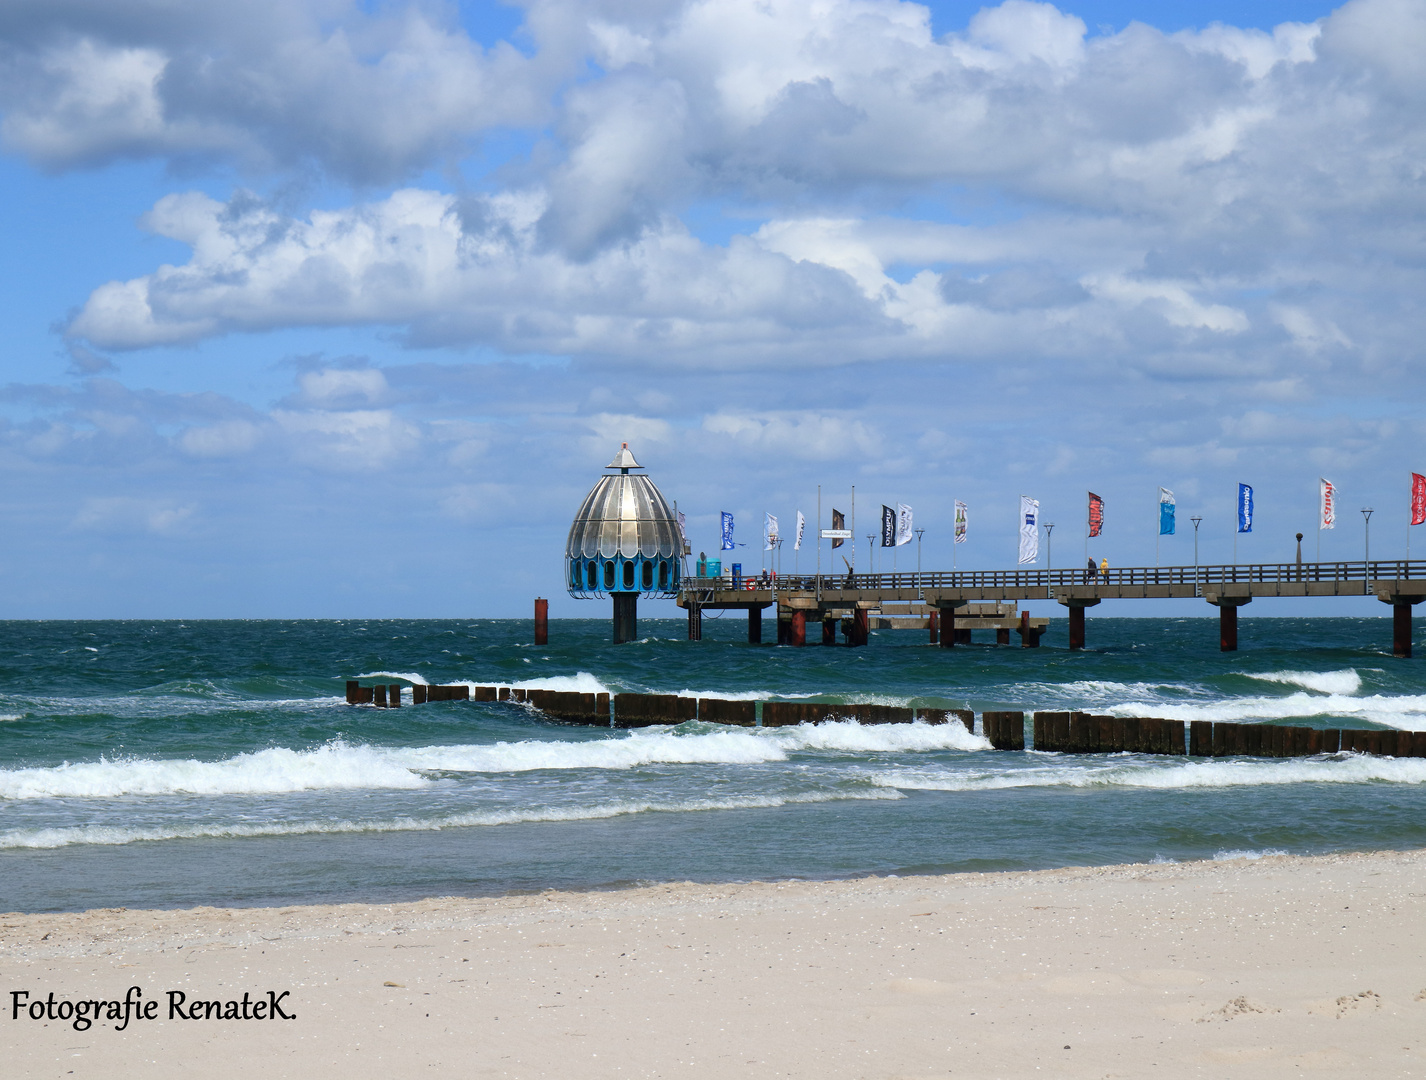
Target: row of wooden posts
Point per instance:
(1061, 732)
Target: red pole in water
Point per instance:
(542, 621)
(799, 628)
(1228, 628)
(1401, 630)
(931, 622)
(1076, 627)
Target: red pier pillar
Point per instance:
(1228, 628)
(931, 623)
(542, 621)
(1401, 631)
(1076, 627)
(798, 628)
(948, 627)
(755, 626)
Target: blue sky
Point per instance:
(330, 309)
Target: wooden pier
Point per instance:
(949, 600)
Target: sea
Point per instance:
(173, 764)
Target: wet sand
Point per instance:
(1283, 966)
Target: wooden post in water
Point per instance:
(393, 696)
(379, 696)
(542, 621)
(353, 692)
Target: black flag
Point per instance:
(839, 521)
(888, 527)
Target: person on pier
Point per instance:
(1089, 572)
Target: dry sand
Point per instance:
(1280, 967)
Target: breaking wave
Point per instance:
(1339, 769)
(1404, 711)
(339, 765)
(1324, 682)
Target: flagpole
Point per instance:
(854, 528)
(819, 543)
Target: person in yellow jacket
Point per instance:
(1104, 570)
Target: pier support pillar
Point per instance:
(755, 626)
(1076, 605)
(829, 631)
(1029, 635)
(542, 621)
(1227, 618)
(695, 622)
(1401, 631)
(932, 622)
(1002, 636)
(860, 628)
(626, 617)
(798, 628)
(1401, 605)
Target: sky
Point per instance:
(326, 309)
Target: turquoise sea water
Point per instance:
(171, 764)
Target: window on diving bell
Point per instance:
(593, 575)
(663, 573)
(608, 575)
(648, 575)
(628, 575)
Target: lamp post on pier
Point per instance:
(871, 546)
(1367, 513)
(1196, 521)
(1049, 545)
(919, 533)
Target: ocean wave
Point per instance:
(339, 765)
(1239, 853)
(1407, 711)
(118, 834)
(1341, 769)
(1345, 682)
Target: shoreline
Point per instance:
(1276, 965)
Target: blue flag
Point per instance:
(727, 531)
(1166, 512)
(1245, 508)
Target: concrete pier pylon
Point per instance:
(1228, 601)
(755, 626)
(1402, 601)
(1076, 605)
(626, 617)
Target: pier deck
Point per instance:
(849, 597)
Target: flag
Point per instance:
(1096, 514)
(801, 524)
(1245, 508)
(839, 524)
(1166, 511)
(888, 527)
(1328, 491)
(727, 531)
(1418, 499)
(962, 521)
(770, 536)
(682, 527)
(904, 528)
(1029, 529)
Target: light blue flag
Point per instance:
(727, 531)
(1166, 512)
(1245, 508)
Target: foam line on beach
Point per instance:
(1337, 769)
(119, 835)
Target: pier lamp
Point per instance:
(871, 546)
(1196, 521)
(1049, 545)
(919, 533)
(1367, 513)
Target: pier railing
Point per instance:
(1376, 570)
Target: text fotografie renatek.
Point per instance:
(84, 1012)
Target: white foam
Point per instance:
(1237, 853)
(1406, 711)
(10, 718)
(112, 834)
(409, 676)
(848, 735)
(1340, 769)
(342, 766)
(1343, 682)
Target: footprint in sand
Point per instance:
(1367, 1000)
(1239, 1006)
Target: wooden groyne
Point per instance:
(1051, 732)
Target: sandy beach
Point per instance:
(1272, 967)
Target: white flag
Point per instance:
(769, 532)
(1029, 530)
(904, 530)
(801, 525)
(962, 522)
(1329, 504)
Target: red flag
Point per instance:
(1096, 514)
(1418, 499)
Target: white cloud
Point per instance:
(128, 514)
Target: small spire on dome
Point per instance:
(624, 459)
